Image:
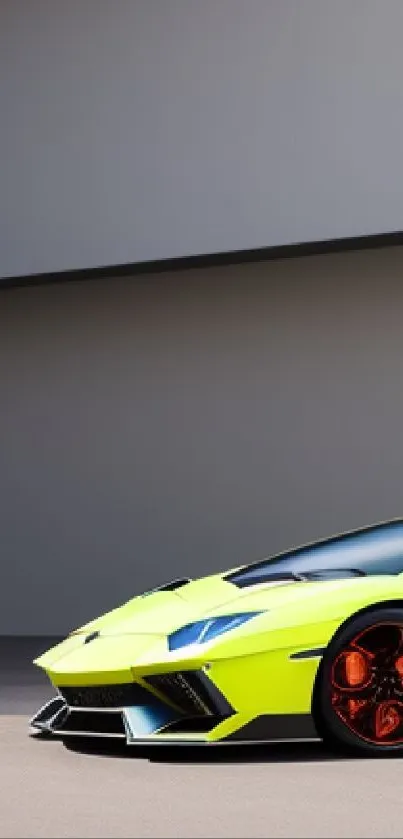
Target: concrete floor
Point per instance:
(47, 790)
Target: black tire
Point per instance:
(338, 730)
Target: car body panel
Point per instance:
(263, 669)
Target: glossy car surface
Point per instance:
(302, 645)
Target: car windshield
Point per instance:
(377, 550)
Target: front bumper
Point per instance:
(168, 708)
(170, 705)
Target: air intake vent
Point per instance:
(172, 586)
(192, 692)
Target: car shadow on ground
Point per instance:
(312, 752)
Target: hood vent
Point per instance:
(172, 586)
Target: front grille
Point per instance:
(191, 691)
(105, 696)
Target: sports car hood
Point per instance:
(161, 612)
(135, 634)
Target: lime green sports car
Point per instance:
(303, 645)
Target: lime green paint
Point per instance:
(251, 664)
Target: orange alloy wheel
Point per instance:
(367, 685)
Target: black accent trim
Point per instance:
(193, 725)
(48, 711)
(314, 653)
(210, 260)
(91, 637)
(92, 723)
(59, 718)
(171, 586)
(105, 696)
(273, 727)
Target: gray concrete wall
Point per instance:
(182, 424)
(145, 129)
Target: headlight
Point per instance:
(205, 630)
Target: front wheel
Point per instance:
(358, 703)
